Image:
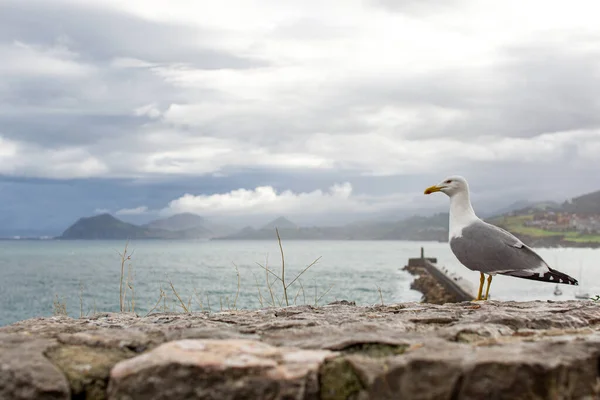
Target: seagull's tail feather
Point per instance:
(552, 276)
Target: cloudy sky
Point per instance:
(313, 109)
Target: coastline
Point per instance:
(557, 241)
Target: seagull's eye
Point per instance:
(448, 181)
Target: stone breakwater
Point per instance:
(430, 286)
(486, 350)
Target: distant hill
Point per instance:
(267, 232)
(105, 226)
(414, 228)
(585, 204)
(517, 205)
(525, 207)
(179, 226)
(177, 222)
(420, 228)
(280, 223)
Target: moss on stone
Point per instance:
(375, 350)
(87, 368)
(338, 380)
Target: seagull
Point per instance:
(486, 248)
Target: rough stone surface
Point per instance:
(24, 371)
(484, 350)
(87, 368)
(219, 369)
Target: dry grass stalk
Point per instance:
(260, 297)
(80, 299)
(269, 284)
(317, 299)
(237, 293)
(182, 304)
(301, 288)
(380, 295)
(189, 303)
(287, 303)
(198, 299)
(130, 280)
(160, 297)
(59, 308)
(124, 257)
(284, 285)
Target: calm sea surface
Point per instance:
(32, 273)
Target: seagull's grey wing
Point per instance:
(486, 248)
(489, 249)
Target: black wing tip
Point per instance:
(562, 278)
(552, 276)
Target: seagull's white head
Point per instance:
(451, 185)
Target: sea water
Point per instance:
(36, 276)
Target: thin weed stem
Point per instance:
(178, 298)
(80, 299)
(124, 257)
(380, 295)
(237, 293)
(287, 303)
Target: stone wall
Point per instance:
(485, 350)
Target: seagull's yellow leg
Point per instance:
(487, 291)
(481, 281)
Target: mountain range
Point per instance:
(192, 226)
(179, 226)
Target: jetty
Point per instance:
(437, 284)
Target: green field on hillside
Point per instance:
(515, 224)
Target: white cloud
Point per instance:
(265, 200)
(8, 149)
(133, 211)
(24, 159)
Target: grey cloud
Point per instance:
(542, 88)
(58, 112)
(56, 131)
(99, 35)
(549, 88)
(79, 110)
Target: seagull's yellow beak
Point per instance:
(432, 189)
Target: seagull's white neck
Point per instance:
(461, 213)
